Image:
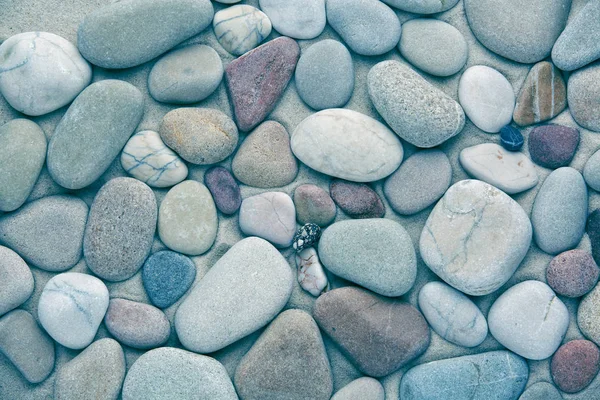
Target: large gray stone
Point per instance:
(298, 19)
(583, 95)
(16, 280)
(269, 215)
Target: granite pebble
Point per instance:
(241, 28)
(269, 215)
(307, 236)
(16, 280)
(357, 200)
(572, 273)
(582, 88)
(314, 205)
(591, 171)
(311, 275)
(167, 276)
(224, 189)
(574, 365)
(298, 19)
(553, 146)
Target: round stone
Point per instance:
(541, 391)
(574, 365)
(269, 215)
(422, 6)
(364, 388)
(16, 280)
(224, 189)
(591, 171)
(298, 19)
(314, 205)
(510, 138)
(588, 314)
(357, 200)
(583, 87)
(553, 146)
(241, 28)
(311, 275)
(167, 276)
(572, 273)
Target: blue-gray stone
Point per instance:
(422, 6)
(510, 138)
(541, 391)
(298, 19)
(167, 275)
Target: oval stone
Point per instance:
(298, 19)
(572, 273)
(167, 276)
(224, 189)
(357, 200)
(314, 205)
(583, 85)
(241, 28)
(574, 365)
(16, 280)
(422, 6)
(591, 171)
(269, 215)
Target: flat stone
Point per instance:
(487, 98)
(574, 365)
(543, 95)
(186, 75)
(167, 276)
(511, 138)
(257, 80)
(375, 253)
(120, 229)
(241, 28)
(240, 294)
(97, 372)
(419, 182)
(364, 388)
(591, 171)
(572, 273)
(324, 75)
(298, 19)
(41, 72)
(422, 6)
(131, 32)
(455, 240)
(553, 146)
(224, 189)
(199, 135)
(416, 110)
(278, 361)
(93, 131)
(269, 215)
(47, 233)
(71, 308)
(311, 275)
(529, 319)
(187, 219)
(357, 200)
(541, 391)
(16, 280)
(314, 205)
(510, 171)
(582, 88)
(588, 314)
(348, 145)
(358, 321)
(168, 373)
(307, 236)
(559, 211)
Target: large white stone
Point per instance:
(298, 19)
(241, 28)
(271, 216)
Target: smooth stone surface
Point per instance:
(168, 373)
(375, 253)
(487, 98)
(71, 308)
(311, 275)
(95, 373)
(521, 31)
(324, 75)
(186, 75)
(541, 391)
(572, 273)
(47, 233)
(167, 276)
(559, 211)
(93, 131)
(131, 32)
(574, 365)
(433, 46)
(145, 157)
(553, 146)
(348, 145)
(298, 19)
(22, 155)
(241, 28)
(419, 182)
(588, 314)
(591, 171)
(269, 215)
(314, 205)
(187, 219)
(511, 138)
(364, 388)
(452, 315)
(41, 72)
(357, 200)
(257, 80)
(240, 294)
(455, 240)
(224, 189)
(265, 159)
(276, 365)
(120, 229)
(422, 6)
(199, 135)
(16, 280)
(542, 96)
(510, 171)
(416, 110)
(137, 325)
(529, 319)
(498, 375)
(583, 92)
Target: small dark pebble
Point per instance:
(166, 276)
(224, 189)
(306, 236)
(510, 138)
(357, 200)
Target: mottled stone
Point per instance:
(241, 28)
(16, 280)
(593, 230)
(269, 215)
(583, 92)
(572, 273)
(364, 388)
(588, 315)
(357, 200)
(574, 365)
(167, 276)
(591, 171)
(311, 275)
(298, 19)
(541, 391)
(307, 236)
(511, 138)
(314, 205)
(422, 6)
(553, 146)
(224, 189)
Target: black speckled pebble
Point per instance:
(306, 236)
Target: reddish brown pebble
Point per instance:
(357, 200)
(572, 273)
(574, 365)
(224, 189)
(314, 204)
(553, 146)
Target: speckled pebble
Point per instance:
(574, 365)
(224, 189)
(16, 280)
(357, 200)
(553, 146)
(167, 276)
(572, 273)
(307, 236)
(314, 205)
(298, 19)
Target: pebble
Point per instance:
(572, 273)
(240, 294)
(487, 98)
(269, 215)
(224, 189)
(22, 155)
(186, 75)
(452, 315)
(591, 171)
(455, 251)
(132, 32)
(575, 365)
(257, 80)
(167, 276)
(324, 75)
(583, 85)
(16, 280)
(277, 363)
(311, 275)
(511, 138)
(369, 27)
(522, 32)
(306, 236)
(357, 200)
(93, 131)
(41, 72)
(593, 231)
(241, 28)
(364, 388)
(422, 6)
(71, 308)
(416, 110)
(27, 347)
(120, 229)
(298, 19)
(433, 46)
(543, 95)
(95, 373)
(492, 375)
(588, 314)
(187, 219)
(348, 145)
(559, 211)
(358, 321)
(510, 171)
(265, 159)
(47, 233)
(137, 325)
(314, 205)
(553, 146)
(541, 391)
(168, 373)
(419, 182)
(529, 319)
(201, 136)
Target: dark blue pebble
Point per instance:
(510, 138)
(167, 276)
